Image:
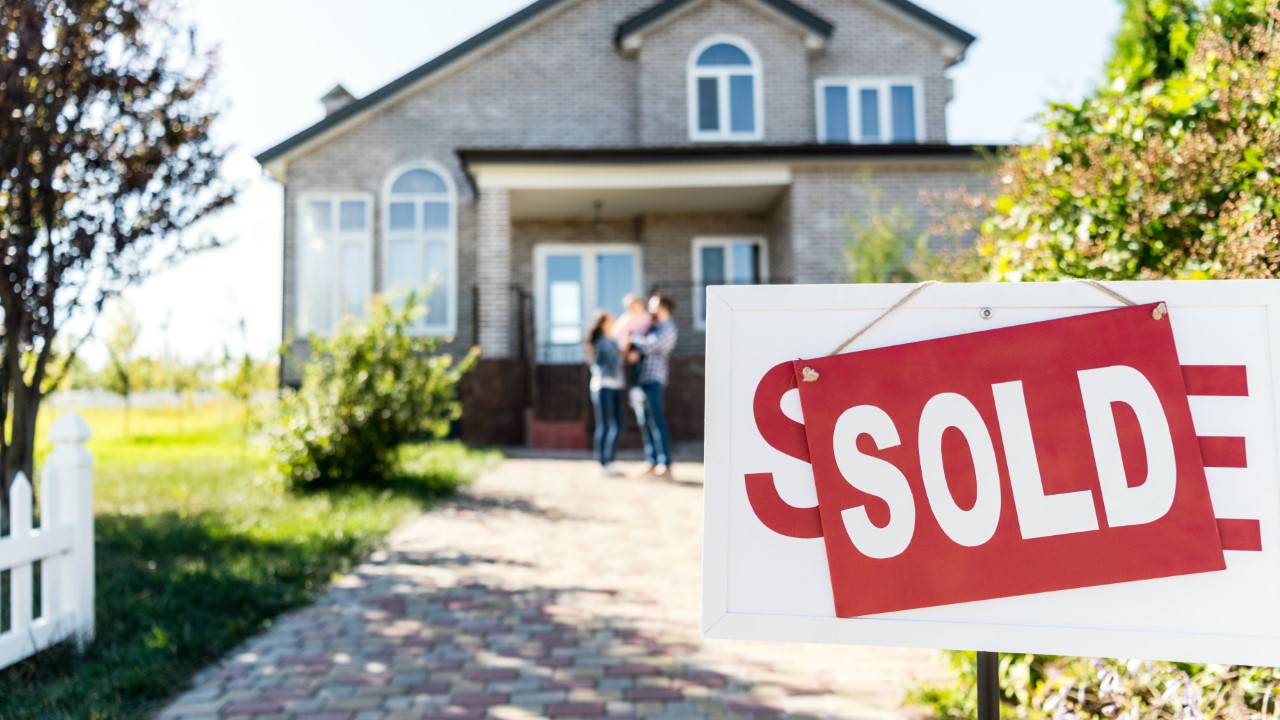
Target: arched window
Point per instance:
(725, 91)
(421, 243)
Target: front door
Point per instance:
(571, 282)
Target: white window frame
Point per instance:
(336, 238)
(587, 251)
(882, 86)
(425, 325)
(693, 72)
(726, 242)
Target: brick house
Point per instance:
(583, 149)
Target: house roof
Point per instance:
(530, 13)
(663, 9)
(916, 12)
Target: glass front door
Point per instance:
(573, 281)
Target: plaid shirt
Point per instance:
(656, 347)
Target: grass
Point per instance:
(198, 548)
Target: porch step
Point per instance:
(555, 434)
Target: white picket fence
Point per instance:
(63, 545)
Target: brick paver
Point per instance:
(543, 591)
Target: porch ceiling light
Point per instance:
(598, 220)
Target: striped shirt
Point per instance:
(656, 347)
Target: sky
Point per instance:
(278, 57)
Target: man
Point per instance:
(655, 348)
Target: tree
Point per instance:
(1155, 40)
(106, 165)
(1179, 177)
(122, 339)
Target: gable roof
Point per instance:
(527, 15)
(786, 8)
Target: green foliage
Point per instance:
(197, 551)
(365, 392)
(875, 251)
(1177, 178)
(1155, 40)
(1043, 687)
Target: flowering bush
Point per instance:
(1042, 687)
(1174, 176)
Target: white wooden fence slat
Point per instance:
(49, 497)
(20, 576)
(63, 544)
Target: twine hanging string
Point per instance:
(927, 283)
(1157, 313)
(905, 299)
(1103, 288)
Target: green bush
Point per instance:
(1041, 687)
(365, 392)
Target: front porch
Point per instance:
(557, 241)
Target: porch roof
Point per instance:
(715, 153)
(627, 182)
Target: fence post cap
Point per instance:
(69, 428)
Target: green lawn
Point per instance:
(197, 548)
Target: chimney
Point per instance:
(336, 99)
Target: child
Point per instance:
(634, 320)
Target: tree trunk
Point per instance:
(20, 450)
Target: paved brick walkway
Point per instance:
(545, 591)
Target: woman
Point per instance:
(605, 358)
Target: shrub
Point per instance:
(365, 392)
(1041, 687)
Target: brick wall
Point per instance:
(823, 197)
(871, 40)
(664, 57)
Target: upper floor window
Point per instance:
(873, 111)
(725, 91)
(334, 260)
(421, 243)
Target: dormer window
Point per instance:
(875, 111)
(724, 91)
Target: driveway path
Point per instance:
(545, 590)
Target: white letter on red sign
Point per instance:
(874, 477)
(1152, 499)
(976, 525)
(1039, 515)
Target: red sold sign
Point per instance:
(1028, 459)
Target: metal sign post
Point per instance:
(988, 686)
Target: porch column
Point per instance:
(493, 272)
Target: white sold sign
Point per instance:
(1055, 476)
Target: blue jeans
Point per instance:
(652, 418)
(607, 404)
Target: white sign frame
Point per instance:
(960, 307)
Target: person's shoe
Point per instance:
(611, 471)
(663, 471)
(650, 470)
